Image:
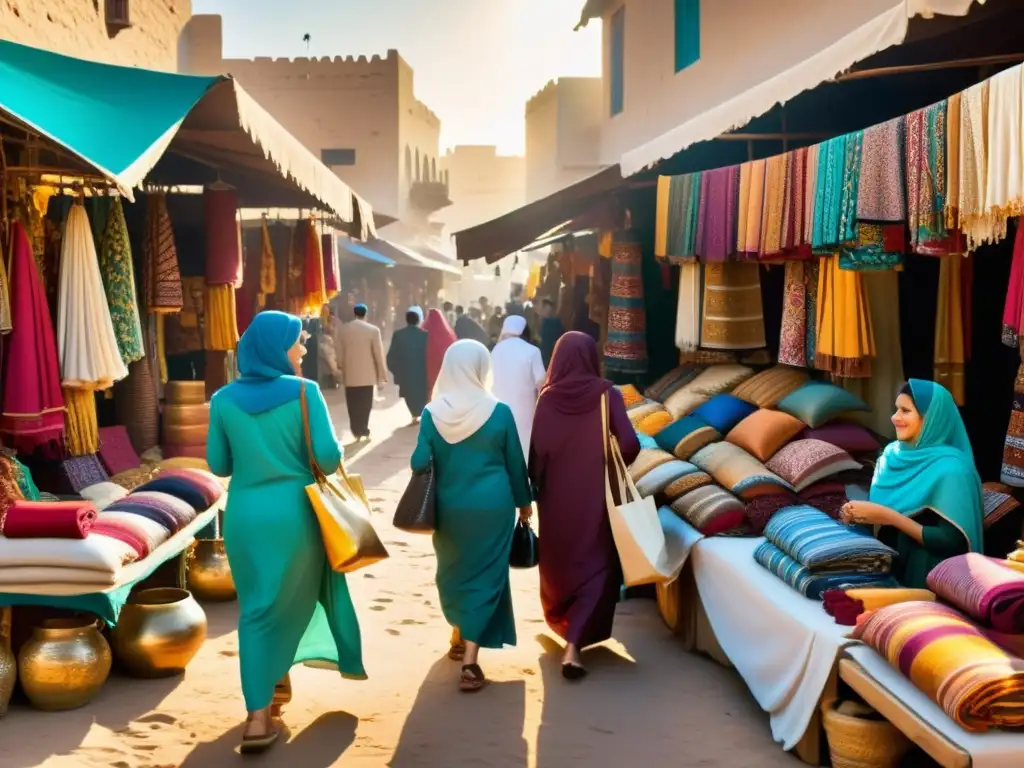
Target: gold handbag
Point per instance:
(350, 541)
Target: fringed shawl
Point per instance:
(118, 271)
(973, 138)
(716, 224)
(161, 277)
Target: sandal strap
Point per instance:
(474, 670)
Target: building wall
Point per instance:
(78, 28)
(563, 124)
(482, 185)
(743, 43)
(419, 139)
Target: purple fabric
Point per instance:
(716, 214)
(160, 516)
(917, 641)
(852, 438)
(166, 504)
(579, 587)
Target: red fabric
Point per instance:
(123, 534)
(223, 237)
(313, 264)
(49, 520)
(116, 451)
(841, 607)
(440, 336)
(574, 384)
(33, 405)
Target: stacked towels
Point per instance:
(813, 553)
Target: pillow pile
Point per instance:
(672, 381)
(711, 510)
(723, 412)
(803, 463)
(764, 432)
(767, 388)
(686, 436)
(816, 403)
(738, 471)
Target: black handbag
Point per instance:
(417, 509)
(525, 547)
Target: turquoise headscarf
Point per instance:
(937, 470)
(267, 379)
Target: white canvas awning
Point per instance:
(885, 30)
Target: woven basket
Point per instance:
(185, 392)
(137, 408)
(194, 434)
(859, 742)
(186, 415)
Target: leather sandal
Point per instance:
(257, 745)
(472, 679)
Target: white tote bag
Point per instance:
(639, 537)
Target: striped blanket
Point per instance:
(810, 584)
(823, 545)
(983, 588)
(976, 683)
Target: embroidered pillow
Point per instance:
(655, 422)
(686, 483)
(630, 395)
(81, 472)
(647, 460)
(685, 437)
(817, 403)
(723, 412)
(852, 438)
(684, 401)
(659, 478)
(804, 462)
(767, 388)
(735, 469)
(640, 412)
(116, 450)
(672, 381)
(711, 510)
(718, 379)
(764, 432)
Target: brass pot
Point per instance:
(159, 632)
(8, 676)
(64, 664)
(209, 574)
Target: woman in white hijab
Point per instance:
(518, 375)
(470, 441)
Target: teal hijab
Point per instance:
(937, 470)
(266, 378)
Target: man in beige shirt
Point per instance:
(360, 357)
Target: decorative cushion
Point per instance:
(658, 478)
(82, 471)
(685, 437)
(116, 450)
(684, 401)
(647, 460)
(804, 462)
(654, 423)
(760, 510)
(998, 502)
(718, 379)
(737, 470)
(646, 441)
(817, 403)
(686, 483)
(711, 510)
(103, 494)
(767, 388)
(640, 412)
(852, 438)
(672, 381)
(630, 395)
(827, 496)
(764, 432)
(723, 412)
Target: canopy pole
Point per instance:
(904, 69)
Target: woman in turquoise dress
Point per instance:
(293, 608)
(480, 479)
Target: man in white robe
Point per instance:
(518, 376)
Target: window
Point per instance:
(618, 49)
(338, 156)
(118, 16)
(408, 164)
(687, 33)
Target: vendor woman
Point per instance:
(926, 494)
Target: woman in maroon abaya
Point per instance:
(580, 576)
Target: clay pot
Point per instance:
(209, 574)
(64, 664)
(159, 632)
(194, 434)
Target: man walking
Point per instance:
(360, 356)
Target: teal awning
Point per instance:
(119, 120)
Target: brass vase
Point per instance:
(64, 664)
(209, 574)
(159, 632)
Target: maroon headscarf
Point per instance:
(440, 336)
(574, 383)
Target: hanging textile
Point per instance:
(811, 192)
(926, 183)
(118, 271)
(221, 327)
(223, 236)
(1004, 173)
(625, 349)
(184, 330)
(716, 217)
(675, 230)
(1014, 303)
(268, 265)
(81, 425)
(772, 234)
(880, 192)
(688, 307)
(6, 324)
(99, 216)
(33, 407)
(828, 202)
(952, 162)
(282, 237)
(332, 266)
(972, 162)
(314, 289)
(795, 244)
(949, 355)
(295, 288)
(845, 342)
(793, 336)
(732, 315)
(161, 277)
(89, 355)
(1012, 472)
(751, 205)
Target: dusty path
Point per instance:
(647, 703)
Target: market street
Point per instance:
(646, 703)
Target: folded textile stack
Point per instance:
(975, 682)
(48, 520)
(813, 553)
(983, 588)
(847, 605)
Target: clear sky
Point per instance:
(477, 62)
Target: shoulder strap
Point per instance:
(317, 473)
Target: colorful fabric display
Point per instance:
(983, 588)
(625, 350)
(48, 519)
(825, 546)
(811, 584)
(684, 437)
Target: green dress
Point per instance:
(480, 483)
(941, 540)
(294, 608)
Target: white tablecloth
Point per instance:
(783, 644)
(680, 537)
(995, 749)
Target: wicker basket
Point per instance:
(861, 742)
(137, 407)
(186, 415)
(185, 392)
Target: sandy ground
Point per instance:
(646, 703)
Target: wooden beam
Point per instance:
(904, 69)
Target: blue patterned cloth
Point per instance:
(823, 545)
(812, 585)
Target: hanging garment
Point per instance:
(6, 324)
(314, 290)
(295, 287)
(828, 202)
(87, 344)
(952, 162)
(716, 218)
(118, 271)
(223, 237)
(688, 308)
(625, 350)
(1004, 173)
(33, 406)
(880, 192)
(973, 164)
(845, 341)
(732, 315)
(926, 183)
(811, 192)
(268, 265)
(676, 217)
(1013, 449)
(221, 327)
(795, 245)
(751, 205)
(161, 277)
(332, 267)
(772, 233)
(81, 424)
(949, 330)
(793, 336)
(1014, 304)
